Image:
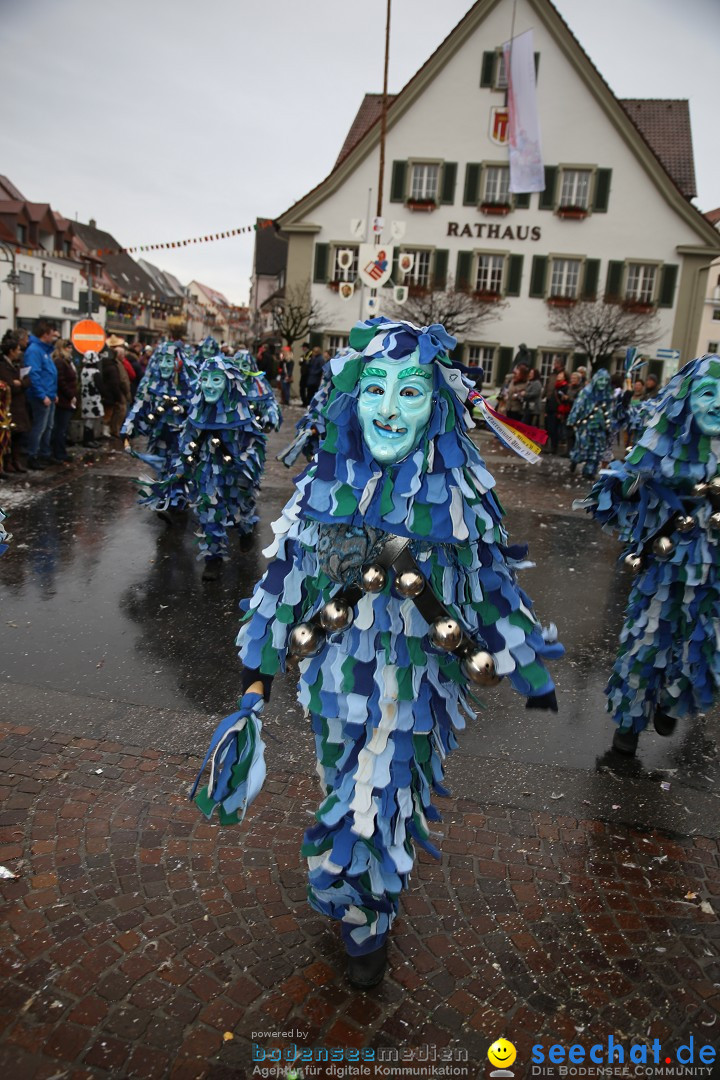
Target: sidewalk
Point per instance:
(140, 941)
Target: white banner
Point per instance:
(375, 264)
(526, 164)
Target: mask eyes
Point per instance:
(411, 391)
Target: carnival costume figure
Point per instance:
(663, 501)
(592, 419)
(5, 537)
(310, 427)
(221, 455)
(391, 579)
(160, 407)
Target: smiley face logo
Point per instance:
(502, 1054)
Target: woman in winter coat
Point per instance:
(516, 391)
(66, 400)
(10, 355)
(532, 398)
(116, 392)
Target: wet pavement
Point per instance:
(577, 891)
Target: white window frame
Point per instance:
(423, 265)
(494, 264)
(486, 356)
(644, 289)
(501, 194)
(335, 342)
(352, 272)
(544, 361)
(421, 181)
(576, 186)
(563, 269)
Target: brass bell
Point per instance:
(227, 458)
(479, 668)
(160, 410)
(634, 562)
(714, 521)
(305, 640)
(663, 547)
(685, 523)
(446, 633)
(701, 489)
(373, 579)
(177, 408)
(714, 485)
(410, 583)
(151, 416)
(192, 445)
(215, 442)
(336, 615)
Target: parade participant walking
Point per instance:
(391, 579)
(160, 407)
(591, 419)
(42, 392)
(66, 400)
(664, 503)
(91, 406)
(221, 455)
(310, 427)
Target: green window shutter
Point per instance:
(440, 268)
(487, 73)
(613, 282)
(547, 197)
(315, 338)
(602, 190)
(668, 280)
(538, 275)
(505, 359)
(522, 201)
(471, 194)
(398, 182)
(449, 179)
(320, 273)
(591, 279)
(464, 269)
(514, 276)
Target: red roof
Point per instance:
(368, 113)
(713, 216)
(665, 125)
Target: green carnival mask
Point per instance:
(394, 406)
(212, 385)
(705, 404)
(166, 365)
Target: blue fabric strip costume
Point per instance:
(667, 489)
(384, 703)
(5, 537)
(160, 406)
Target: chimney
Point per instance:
(92, 223)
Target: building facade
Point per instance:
(614, 222)
(709, 338)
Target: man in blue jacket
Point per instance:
(42, 391)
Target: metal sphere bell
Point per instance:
(410, 583)
(215, 442)
(177, 408)
(663, 547)
(373, 579)
(305, 640)
(714, 521)
(479, 668)
(336, 615)
(446, 633)
(701, 489)
(151, 416)
(227, 458)
(685, 523)
(714, 485)
(634, 562)
(160, 410)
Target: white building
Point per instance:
(709, 338)
(615, 219)
(48, 287)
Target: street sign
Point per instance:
(88, 335)
(667, 354)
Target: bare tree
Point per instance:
(458, 310)
(599, 329)
(295, 312)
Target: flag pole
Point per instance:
(383, 115)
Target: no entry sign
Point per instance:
(88, 335)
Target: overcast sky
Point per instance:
(166, 119)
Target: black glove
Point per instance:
(251, 675)
(543, 701)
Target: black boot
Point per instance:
(34, 463)
(212, 569)
(366, 971)
(625, 741)
(664, 724)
